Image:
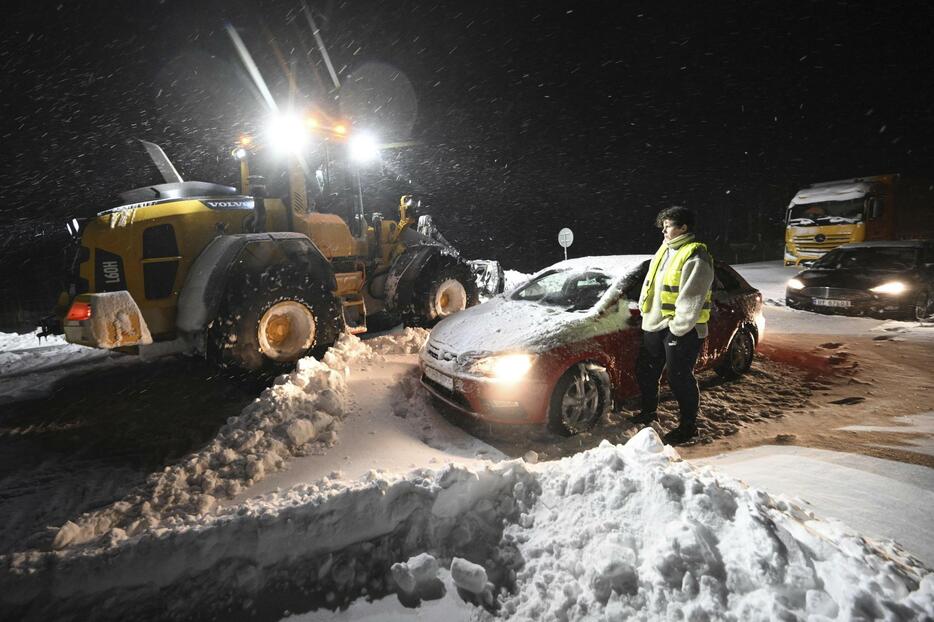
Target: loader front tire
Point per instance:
(443, 293)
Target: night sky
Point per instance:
(526, 116)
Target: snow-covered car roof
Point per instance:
(614, 265)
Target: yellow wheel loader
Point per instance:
(247, 280)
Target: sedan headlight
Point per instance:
(795, 284)
(892, 287)
(506, 368)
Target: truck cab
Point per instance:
(825, 215)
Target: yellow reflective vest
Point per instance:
(671, 281)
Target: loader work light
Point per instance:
(287, 133)
(364, 148)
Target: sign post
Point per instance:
(565, 239)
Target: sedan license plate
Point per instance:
(443, 379)
(830, 302)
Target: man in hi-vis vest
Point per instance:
(675, 304)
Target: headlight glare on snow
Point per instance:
(795, 284)
(892, 287)
(507, 368)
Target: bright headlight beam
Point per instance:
(364, 148)
(795, 284)
(510, 367)
(251, 67)
(892, 287)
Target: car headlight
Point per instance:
(892, 287)
(503, 368)
(795, 284)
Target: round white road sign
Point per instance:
(565, 237)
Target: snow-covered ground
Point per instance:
(342, 470)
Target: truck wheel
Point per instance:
(274, 327)
(580, 399)
(738, 357)
(449, 290)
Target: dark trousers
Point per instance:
(662, 350)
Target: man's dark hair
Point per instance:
(678, 215)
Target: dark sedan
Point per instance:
(882, 279)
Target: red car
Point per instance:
(561, 347)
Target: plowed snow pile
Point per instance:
(617, 532)
(632, 532)
(301, 413)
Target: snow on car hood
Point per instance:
(503, 324)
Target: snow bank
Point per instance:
(633, 532)
(613, 533)
(299, 414)
(26, 341)
(30, 367)
(322, 544)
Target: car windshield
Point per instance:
(575, 289)
(826, 213)
(869, 258)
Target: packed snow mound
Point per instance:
(632, 532)
(299, 414)
(320, 544)
(30, 366)
(25, 341)
(409, 341)
(616, 532)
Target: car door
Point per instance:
(622, 343)
(725, 315)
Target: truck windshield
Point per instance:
(826, 213)
(869, 258)
(567, 288)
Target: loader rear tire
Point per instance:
(268, 328)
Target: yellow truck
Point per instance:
(247, 280)
(825, 215)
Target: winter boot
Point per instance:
(644, 418)
(681, 434)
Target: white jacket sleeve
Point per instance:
(696, 279)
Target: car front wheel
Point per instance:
(580, 399)
(738, 357)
